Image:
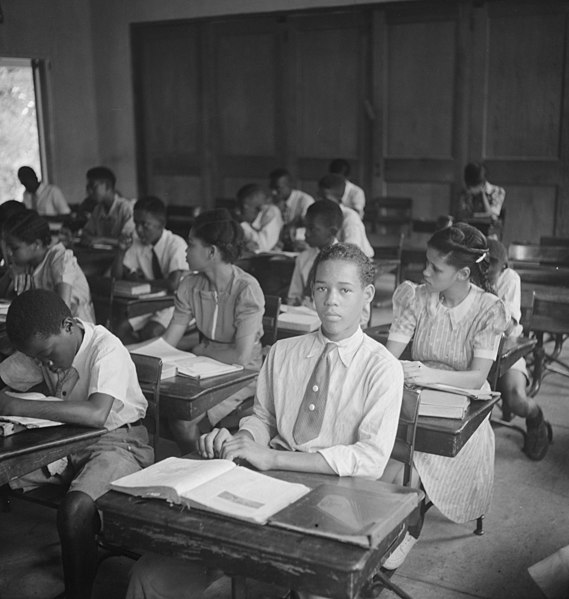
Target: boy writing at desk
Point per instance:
(91, 381)
(326, 402)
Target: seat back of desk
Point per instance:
(404, 447)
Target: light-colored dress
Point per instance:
(222, 317)
(448, 339)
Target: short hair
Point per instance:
(102, 173)
(27, 226)
(248, 191)
(463, 245)
(35, 312)
(152, 205)
(333, 183)
(218, 228)
(278, 173)
(24, 171)
(329, 211)
(339, 166)
(474, 174)
(10, 207)
(348, 252)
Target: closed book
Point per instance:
(175, 361)
(298, 318)
(349, 515)
(131, 288)
(218, 486)
(443, 404)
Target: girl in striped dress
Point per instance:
(455, 322)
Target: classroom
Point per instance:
(322, 243)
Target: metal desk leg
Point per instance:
(538, 366)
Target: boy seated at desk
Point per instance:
(112, 214)
(354, 196)
(90, 380)
(153, 254)
(262, 221)
(326, 402)
(332, 187)
(512, 384)
(40, 196)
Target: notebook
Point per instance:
(131, 288)
(218, 486)
(298, 318)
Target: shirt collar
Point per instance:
(347, 348)
(88, 330)
(458, 313)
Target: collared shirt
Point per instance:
(509, 290)
(170, 250)
(296, 206)
(114, 223)
(354, 198)
(362, 407)
(265, 230)
(49, 200)
(353, 231)
(102, 365)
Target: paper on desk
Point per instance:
(27, 421)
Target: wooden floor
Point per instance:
(527, 521)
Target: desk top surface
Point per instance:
(190, 389)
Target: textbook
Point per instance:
(10, 425)
(443, 404)
(478, 394)
(218, 486)
(298, 318)
(175, 361)
(349, 515)
(131, 288)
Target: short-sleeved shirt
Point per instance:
(362, 406)
(60, 266)
(170, 250)
(222, 317)
(353, 231)
(102, 365)
(47, 200)
(265, 230)
(296, 206)
(509, 290)
(448, 339)
(354, 198)
(116, 222)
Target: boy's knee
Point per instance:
(76, 510)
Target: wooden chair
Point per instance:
(404, 447)
(387, 256)
(149, 373)
(526, 255)
(554, 241)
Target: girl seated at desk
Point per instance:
(34, 263)
(455, 321)
(228, 305)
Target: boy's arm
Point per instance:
(92, 412)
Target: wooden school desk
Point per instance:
(94, 261)
(283, 557)
(26, 451)
(186, 398)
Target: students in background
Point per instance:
(512, 385)
(293, 202)
(361, 382)
(228, 306)
(112, 215)
(332, 187)
(456, 323)
(480, 198)
(354, 196)
(42, 197)
(92, 375)
(36, 264)
(262, 221)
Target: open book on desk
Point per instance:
(218, 486)
(10, 425)
(350, 515)
(175, 361)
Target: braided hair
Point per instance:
(465, 246)
(218, 228)
(27, 226)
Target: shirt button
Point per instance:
(312, 407)
(315, 388)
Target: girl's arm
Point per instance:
(396, 347)
(473, 378)
(174, 333)
(240, 353)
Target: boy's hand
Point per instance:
(244, 448)
(211, 444)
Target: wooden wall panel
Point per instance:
(525, 86)
(429, 199)
(530, 213)
(178, 190)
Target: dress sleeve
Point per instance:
(64, 268)
(183, 309)
(404, 312)
(493, 323)
(249, 310)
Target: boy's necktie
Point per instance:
(311, 412)
(156, 270)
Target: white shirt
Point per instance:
(49, 200)
(297, 204)
(265, 230)
(509, 290)
(170, 250)
(362, 407)
(354, 198)
(102, 364)
(353, 231)
(116, 222)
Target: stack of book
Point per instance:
(446, 401)
(298, 318)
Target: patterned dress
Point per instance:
(448, 339)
